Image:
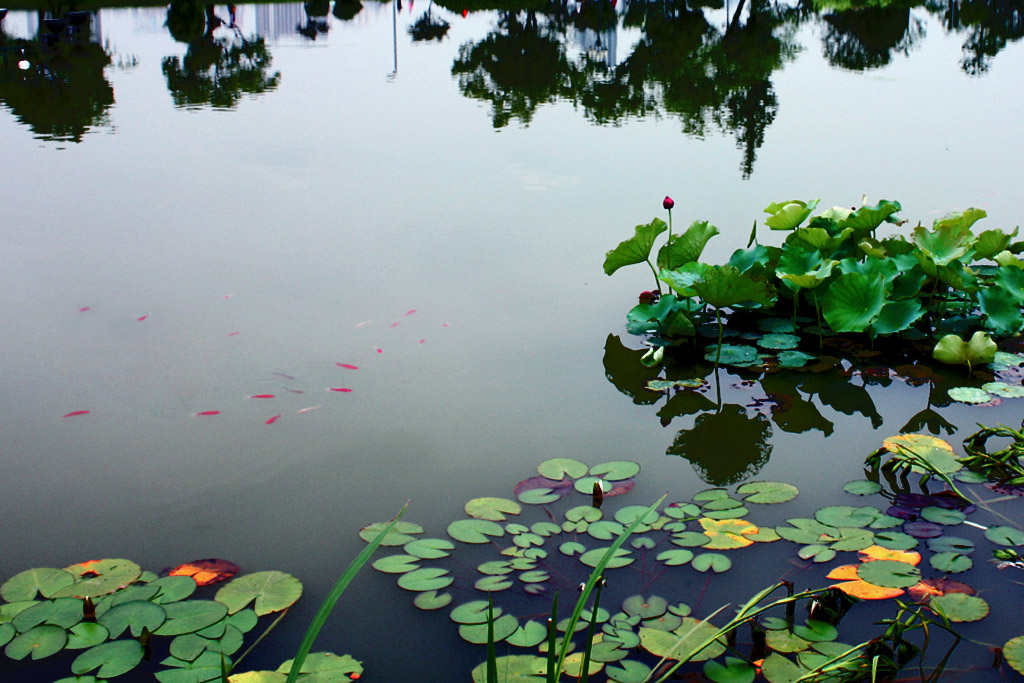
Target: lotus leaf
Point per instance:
(788, 215)
(733, 354)
(803, 268)
(946, 243)
(867, 218)
(112, 658)
(504, 626)
(475, 530)
(960, 607)
(135, 615)
(688, 246)
(636, 249)
(1003, 390)
(897, 316)
(1005, 535)
(681, 643)
(400, 534)
(1002, 311)
(953, 350)
(853, 302)
(44, 581)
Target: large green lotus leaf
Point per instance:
(745, 259)
(820, 239)
(947, 243)
(1002, 311)
(767, 492)
(889, 573)
(104, 576)
(63, 612)
(493, 509)
(476, 530)
(992, 242)
(1013, 650)
(85, 635)
(803, 268)
(687, 247)
(788, 215)
(558, 468)
(955, 351)
(326, 663)
(1011, 280)
(681, 279)
(273, 591)
(959, 607)
(205, 668)
(173, 588)
(426, 579)
(734, 670)
(681, 643)
(867, 218)
(504, 626)
(724, 286)
(960, 219)
(636, 249)
(40, 641)
(25, 585)
(628, 671)
(514, 669)
(897, 316)
(853, 302)
(191, 616)
(136, 615)
(400, 534)
(112, 659)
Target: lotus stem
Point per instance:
(817, 313)
(657, 282)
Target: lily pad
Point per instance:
(767, 492)
(43, 581)
(645, 607)
(111, 659)
(514, 669)
(676, 557)
(85, 635)
(571, 548)
(541, 496)
(99, 577)
(530, 634)
(629, 671)
(889, 574)
(621, 558)
(400, 534)
(136, 615)
(191, 616)
(681, 643)
(504, 626)
(273, 591)
(327, 667)
(558, 468)
(733, 670)
(63, 612)
(1003, 390)
(933, 450)
(475, 530)
(429, 548)
(727, 534)
(950, 563)
(493, 584)
(715, 562)
(862, 487)
(39, 642)
(426, 579)
(969, 395)
(1013, 650)
(1005, 535)
(943, 516)
(616, 470)
(172, 589)
(493, 509)
(960, 607)
(431, 600)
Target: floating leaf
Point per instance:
(514, 669)
(135, 615)
(504, 626)
(862, 487)
(676, 557)
(326, 666)
(621, 558)
(1005, 535)
(779, 341)
(530, 634)
(784, 641)
(923, 529)
(400, 534)
(932, 450)
(629, 671)
(571, 548)
(85, 635)
(960, 607)
(112, 659)
(846, 516)
(816, 553)
(396, 564)
(672, 644)
(616, 470)
(727, 534)
(429, 548)
(475, 530)
(645, 607)
(63, 612)
(889, 574)
(273, 591)
(969, 395)
(492, 584)
(39, 642)
(474, 612)
(1013, 650)
(431, 600)
(44, 581)
(942, 515)
(206, 572)
(99, 577)
(559, 468)
(711, 562)
(493, 509)
(172, 589)
(605, 530)
(1003, 390)
(950, 563)
(767, 492)
(540, 496)
(426, 579)
(734, 670)
(950, 544)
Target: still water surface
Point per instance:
(183, 246)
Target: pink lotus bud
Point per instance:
(668, 203)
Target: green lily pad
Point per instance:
(943, 515)
(538, 496)
(645, 607)
(504, 626)
(557, 469)
(191, 616)
(1003, 390)
(534, 576)
(476, 530)
(1005, 535)
(969, 395)
(690, 539)
(43, 581)
(950, 544)
(895, 540)
(778, 669)
(104, 576)
(715, 562)
(514, 669)
(474, 612)
(950, 563)
(666, 384)
(135, 615)
(959, 607)
(846, 516)
(1013, 650)
(530, 634)
(779, 341)
(794, 359)
(493, 584)
(426, 579)
(621, 558)
(493, 509)
(188, 646)
(172, 589)
(816, 631)
(85, 635)
(889, 573)
(571, 548)
(63, 612)
(816, 553)
(617, 470)
(431, 600)
(629, 671)
(862, 487)
(327, 667)
(937, 453)
(733, 670)
(545, 529)
(605, 530)
(396, 564)
(273, 591)
(673, 644)
(630, 513)
(112, 659)
(39, 642)
(400, 534)
(429, 548)
(767, 492)
(586, 513)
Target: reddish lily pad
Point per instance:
(206, 572)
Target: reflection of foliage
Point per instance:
(64, 92)
(868, 38)
(186, 20)
(517, 69)
(347, 9)
(218, 72)
(725, 447)
(429, 27)
(990, 25)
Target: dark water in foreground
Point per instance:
(243, 210)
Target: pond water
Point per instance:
(428, 194)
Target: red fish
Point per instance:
(394, 325)
(410, 311)
(142, 317)
(208, 412)
(306, 410)
(83, 309)
(273, 420)
(232, 334)
(339, 389)
(262, 396)
(421, 341)
(73, 413)
(347, 365)
(380, 350)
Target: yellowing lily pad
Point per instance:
(1013, 650)
(727, 534)
(933, 450)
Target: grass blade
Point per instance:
(492, 657)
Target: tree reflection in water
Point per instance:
(220, 66)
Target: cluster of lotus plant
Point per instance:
(580, 537)
(839, 274)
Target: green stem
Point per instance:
(657, 282)
(668, 252)
(817, 313)
(718, 351)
